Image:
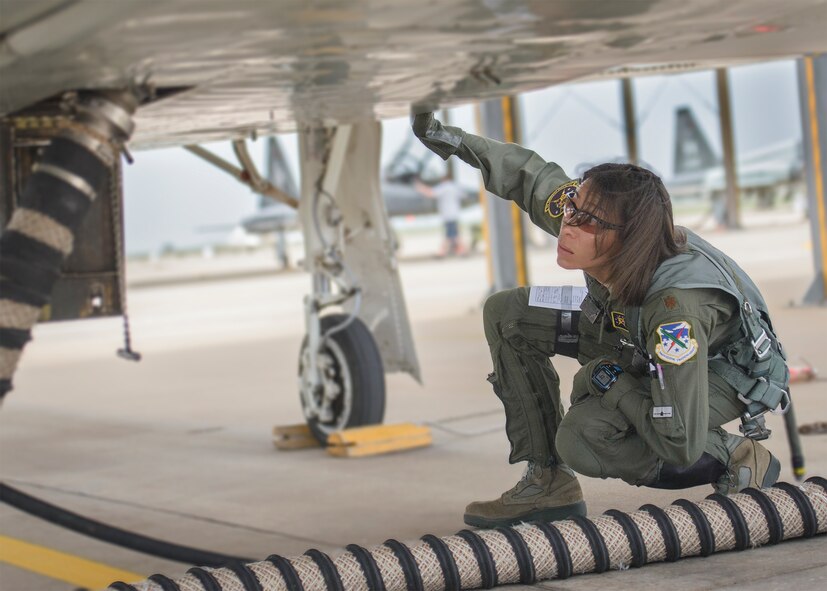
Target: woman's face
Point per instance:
(577, 245)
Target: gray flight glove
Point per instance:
(441, 140)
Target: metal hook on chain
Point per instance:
(116, 185)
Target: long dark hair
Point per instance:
(635, 198)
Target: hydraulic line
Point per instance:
(41, 231)
(532, 552)
(333, 255)
(113, 535)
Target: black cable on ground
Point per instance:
(113, 535)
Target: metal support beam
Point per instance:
(732, 218)
(505, 237)
(812, 85)
(247, 175)
(279, 175)
(627, 97)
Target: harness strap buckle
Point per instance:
(749, 401)
(766, 395)
(762, 345)
(783, 406)
(754, 427)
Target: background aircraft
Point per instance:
(397, 186)
(771, 172)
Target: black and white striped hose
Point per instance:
(41, 231)
(531, 552)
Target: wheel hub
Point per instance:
(325, 403)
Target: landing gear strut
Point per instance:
(355, 317)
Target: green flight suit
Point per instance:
(642, 421)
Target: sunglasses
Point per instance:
(588, 222)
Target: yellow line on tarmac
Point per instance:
(61, 566)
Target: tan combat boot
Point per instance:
(543, 494)
(750, 465)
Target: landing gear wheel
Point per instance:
(353, 380)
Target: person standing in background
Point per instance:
(448, 195)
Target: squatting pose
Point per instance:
(673, 337)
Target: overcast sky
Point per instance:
(174, 198)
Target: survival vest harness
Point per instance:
(753, 362)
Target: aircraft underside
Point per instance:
(328, 70)
(356, 322)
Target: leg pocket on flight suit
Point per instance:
(589, 436)
(538, 331)
(531, 338)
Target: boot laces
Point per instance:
(525, 479)
(528, 473)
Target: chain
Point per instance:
(116, 190)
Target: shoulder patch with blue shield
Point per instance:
(557, 200)
(676, 344)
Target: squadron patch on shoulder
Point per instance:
(556, 201)
(676, 343)
(619, 320)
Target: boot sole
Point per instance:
(551, 514)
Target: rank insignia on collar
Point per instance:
(619, 321)
(676, 343)
(556, 201)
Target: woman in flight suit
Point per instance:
(648, 403)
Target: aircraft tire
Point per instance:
(355, 365)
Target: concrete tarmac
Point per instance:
(179, 446)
